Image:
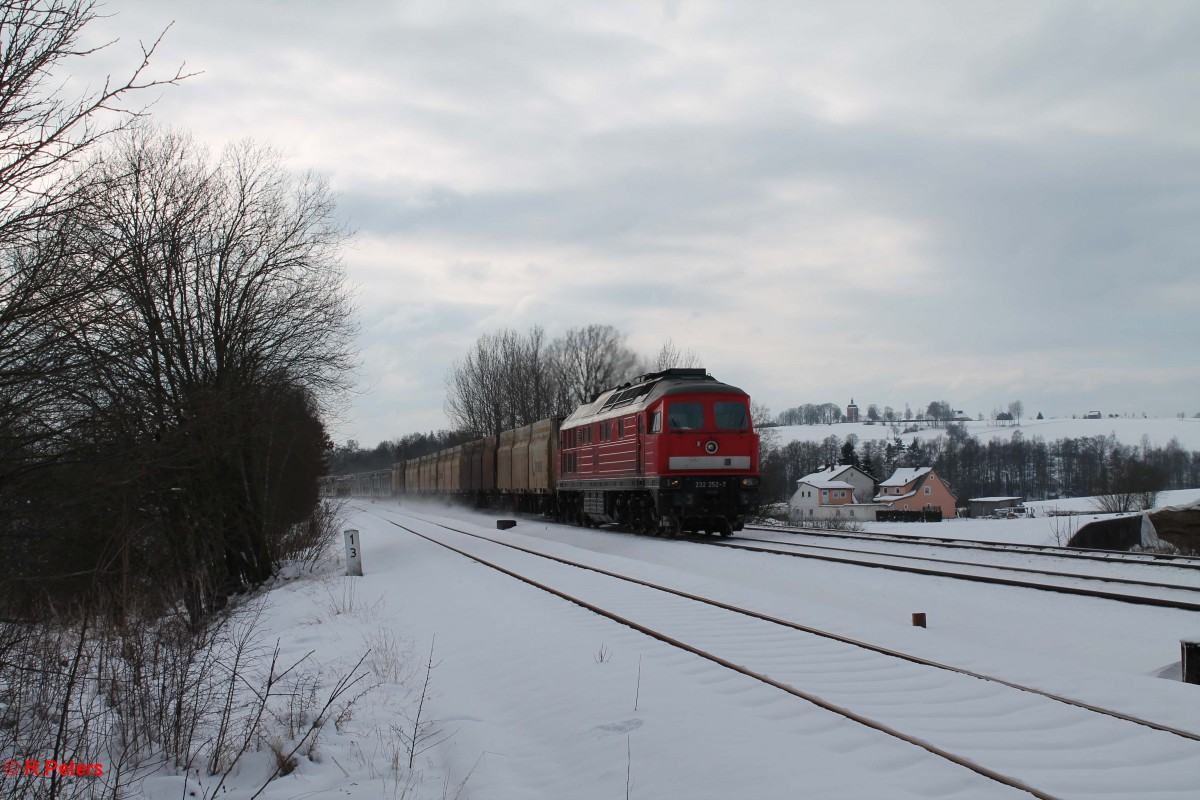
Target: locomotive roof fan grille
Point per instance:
(641, 385)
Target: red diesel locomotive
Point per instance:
(669, 452)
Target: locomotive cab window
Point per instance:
(731, 416)
(656, 422)
(686, 416)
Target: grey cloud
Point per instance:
(1042, 158)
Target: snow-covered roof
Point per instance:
(906, 475)
(891, 498)
(827, 474)
(827, 484)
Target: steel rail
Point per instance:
(677, 643)
(812, 631)
(1088, 554)
(1045, 587)
(1001, 567)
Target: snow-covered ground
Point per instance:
(532, 697)
(1127, 430)
(1042, 528)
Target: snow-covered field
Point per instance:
(1127, 430)
(532, 697)
(1042, 528)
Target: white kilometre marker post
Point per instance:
(353, 553)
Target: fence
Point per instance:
(934, 515)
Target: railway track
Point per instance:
(1108, 556)
(1182, 596)
(962, 716)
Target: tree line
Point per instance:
(938, 412)
(173, 326)
(1019, 466)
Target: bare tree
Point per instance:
(475, 389)
(1015, 409)
(42, 131)
(669, 357)
(43, 134)
(506, 380)
(940, 412)
(764, 424)
(592, 359)
(218, 332)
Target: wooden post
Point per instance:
(1191, 660)
(353, 553)
(919, 619)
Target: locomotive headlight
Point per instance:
(673, 483)
(749, 481)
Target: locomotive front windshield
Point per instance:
(686, 417)
(691, 416)
(731, 416)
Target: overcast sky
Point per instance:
(895, 202)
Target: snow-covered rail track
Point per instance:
(1185, 597)
(1072, 553)
(1019, 736)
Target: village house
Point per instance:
(840, 491)
(917, 489)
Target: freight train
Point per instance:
(665, 453)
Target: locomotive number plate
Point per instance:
(710, 484)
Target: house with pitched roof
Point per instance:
(917, 489)
(840, 491)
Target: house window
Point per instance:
(928, 490)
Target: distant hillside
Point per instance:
(1127, 431)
